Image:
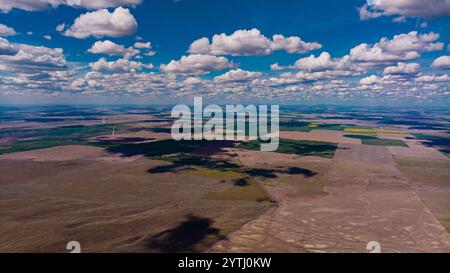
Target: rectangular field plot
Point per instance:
(384, 142)
(299, 147)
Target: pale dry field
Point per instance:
(371, 154)
(417, 151)
(67, 153)
(254, 158)
(430, 179)
(367, 197)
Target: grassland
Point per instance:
(27, 145)
(248, 190)
(79, 131)
(373, 140)
(120, 207)
(295, 126)
(384, 142)
(299, 147)
(431, 180)
(218, 173)
(32, 139)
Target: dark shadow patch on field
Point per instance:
(242, 182)
(185, 236)
(266, 173)
(160, 130)
(440, 143)
(297, 170)
(162, 148)
(214, 147)
(156, 149)
(186, 161)
(180, 156)
(274, 173)
(152, 129)
(183, 162)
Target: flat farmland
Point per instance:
(115, 181)
(112, 206)
(363, 195)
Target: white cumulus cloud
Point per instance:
(37, 63)
(37, 5)
(322, 62)
(402, 69)
(112, 49)
(60, 27)
(402, 47)
(405, 8)
(237, 75)
(6, 48)
(372, 79)
(118, 66)
(433, 78)
(196, 64)
(292, 44)
(250, 42)
(102, 23)
(6, 31)
(146, 45)
(441, 62)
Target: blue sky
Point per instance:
(123, 70)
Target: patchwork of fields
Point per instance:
(115, 181)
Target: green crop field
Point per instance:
(299, 147)
(384, 142)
